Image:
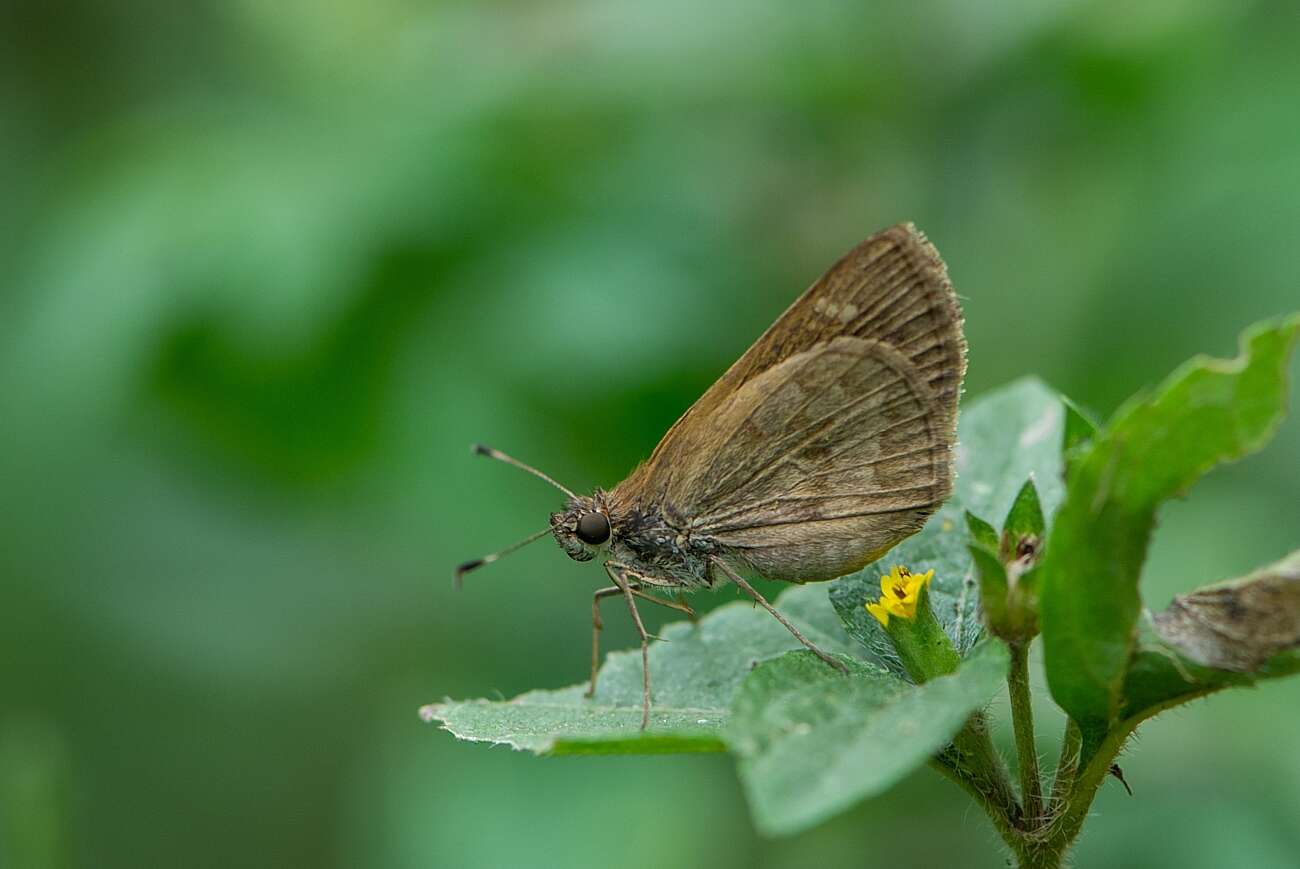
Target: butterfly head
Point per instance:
(583, 527)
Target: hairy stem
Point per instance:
(974, 764)
(1068, 765)
(1075, 787)
(1074, 811)
(1041, 842)
(992, 805)
(1022, 720)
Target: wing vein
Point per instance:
(781, 499)
(710, 519)
(812, 396)
(838, 417)
(835, 518)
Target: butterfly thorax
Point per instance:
(657, 543)
(652, 542)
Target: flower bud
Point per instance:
(904, 611)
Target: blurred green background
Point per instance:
(269, 269)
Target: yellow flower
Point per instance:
(899, 591)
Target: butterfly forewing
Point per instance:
(819, 463)
(830, 439)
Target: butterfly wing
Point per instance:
(892, 295)
(893, 288)
(819, 464)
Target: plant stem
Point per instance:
(1040, 842)
(992, 805)
(974, 764)
(1074, 789)
(1022, 720)
(1068, 765)
(1077, 788)
(1069, 820)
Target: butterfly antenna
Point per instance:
(488, 559)
(480, 450)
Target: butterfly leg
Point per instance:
(686, 608)
(618, 576)
(762, 601)
(597, 624)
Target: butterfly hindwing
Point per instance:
(818, 464)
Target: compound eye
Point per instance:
(593, 528)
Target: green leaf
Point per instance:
(1207, 412)
(993, 588)
(1160, 677)
(1004, 437)
(1027, 592)
(693, 675)
(1079, 430)
(811, 742)
(981, 532)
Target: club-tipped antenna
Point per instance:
(480, 450)
(488, 559)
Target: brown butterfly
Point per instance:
(828, 442)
